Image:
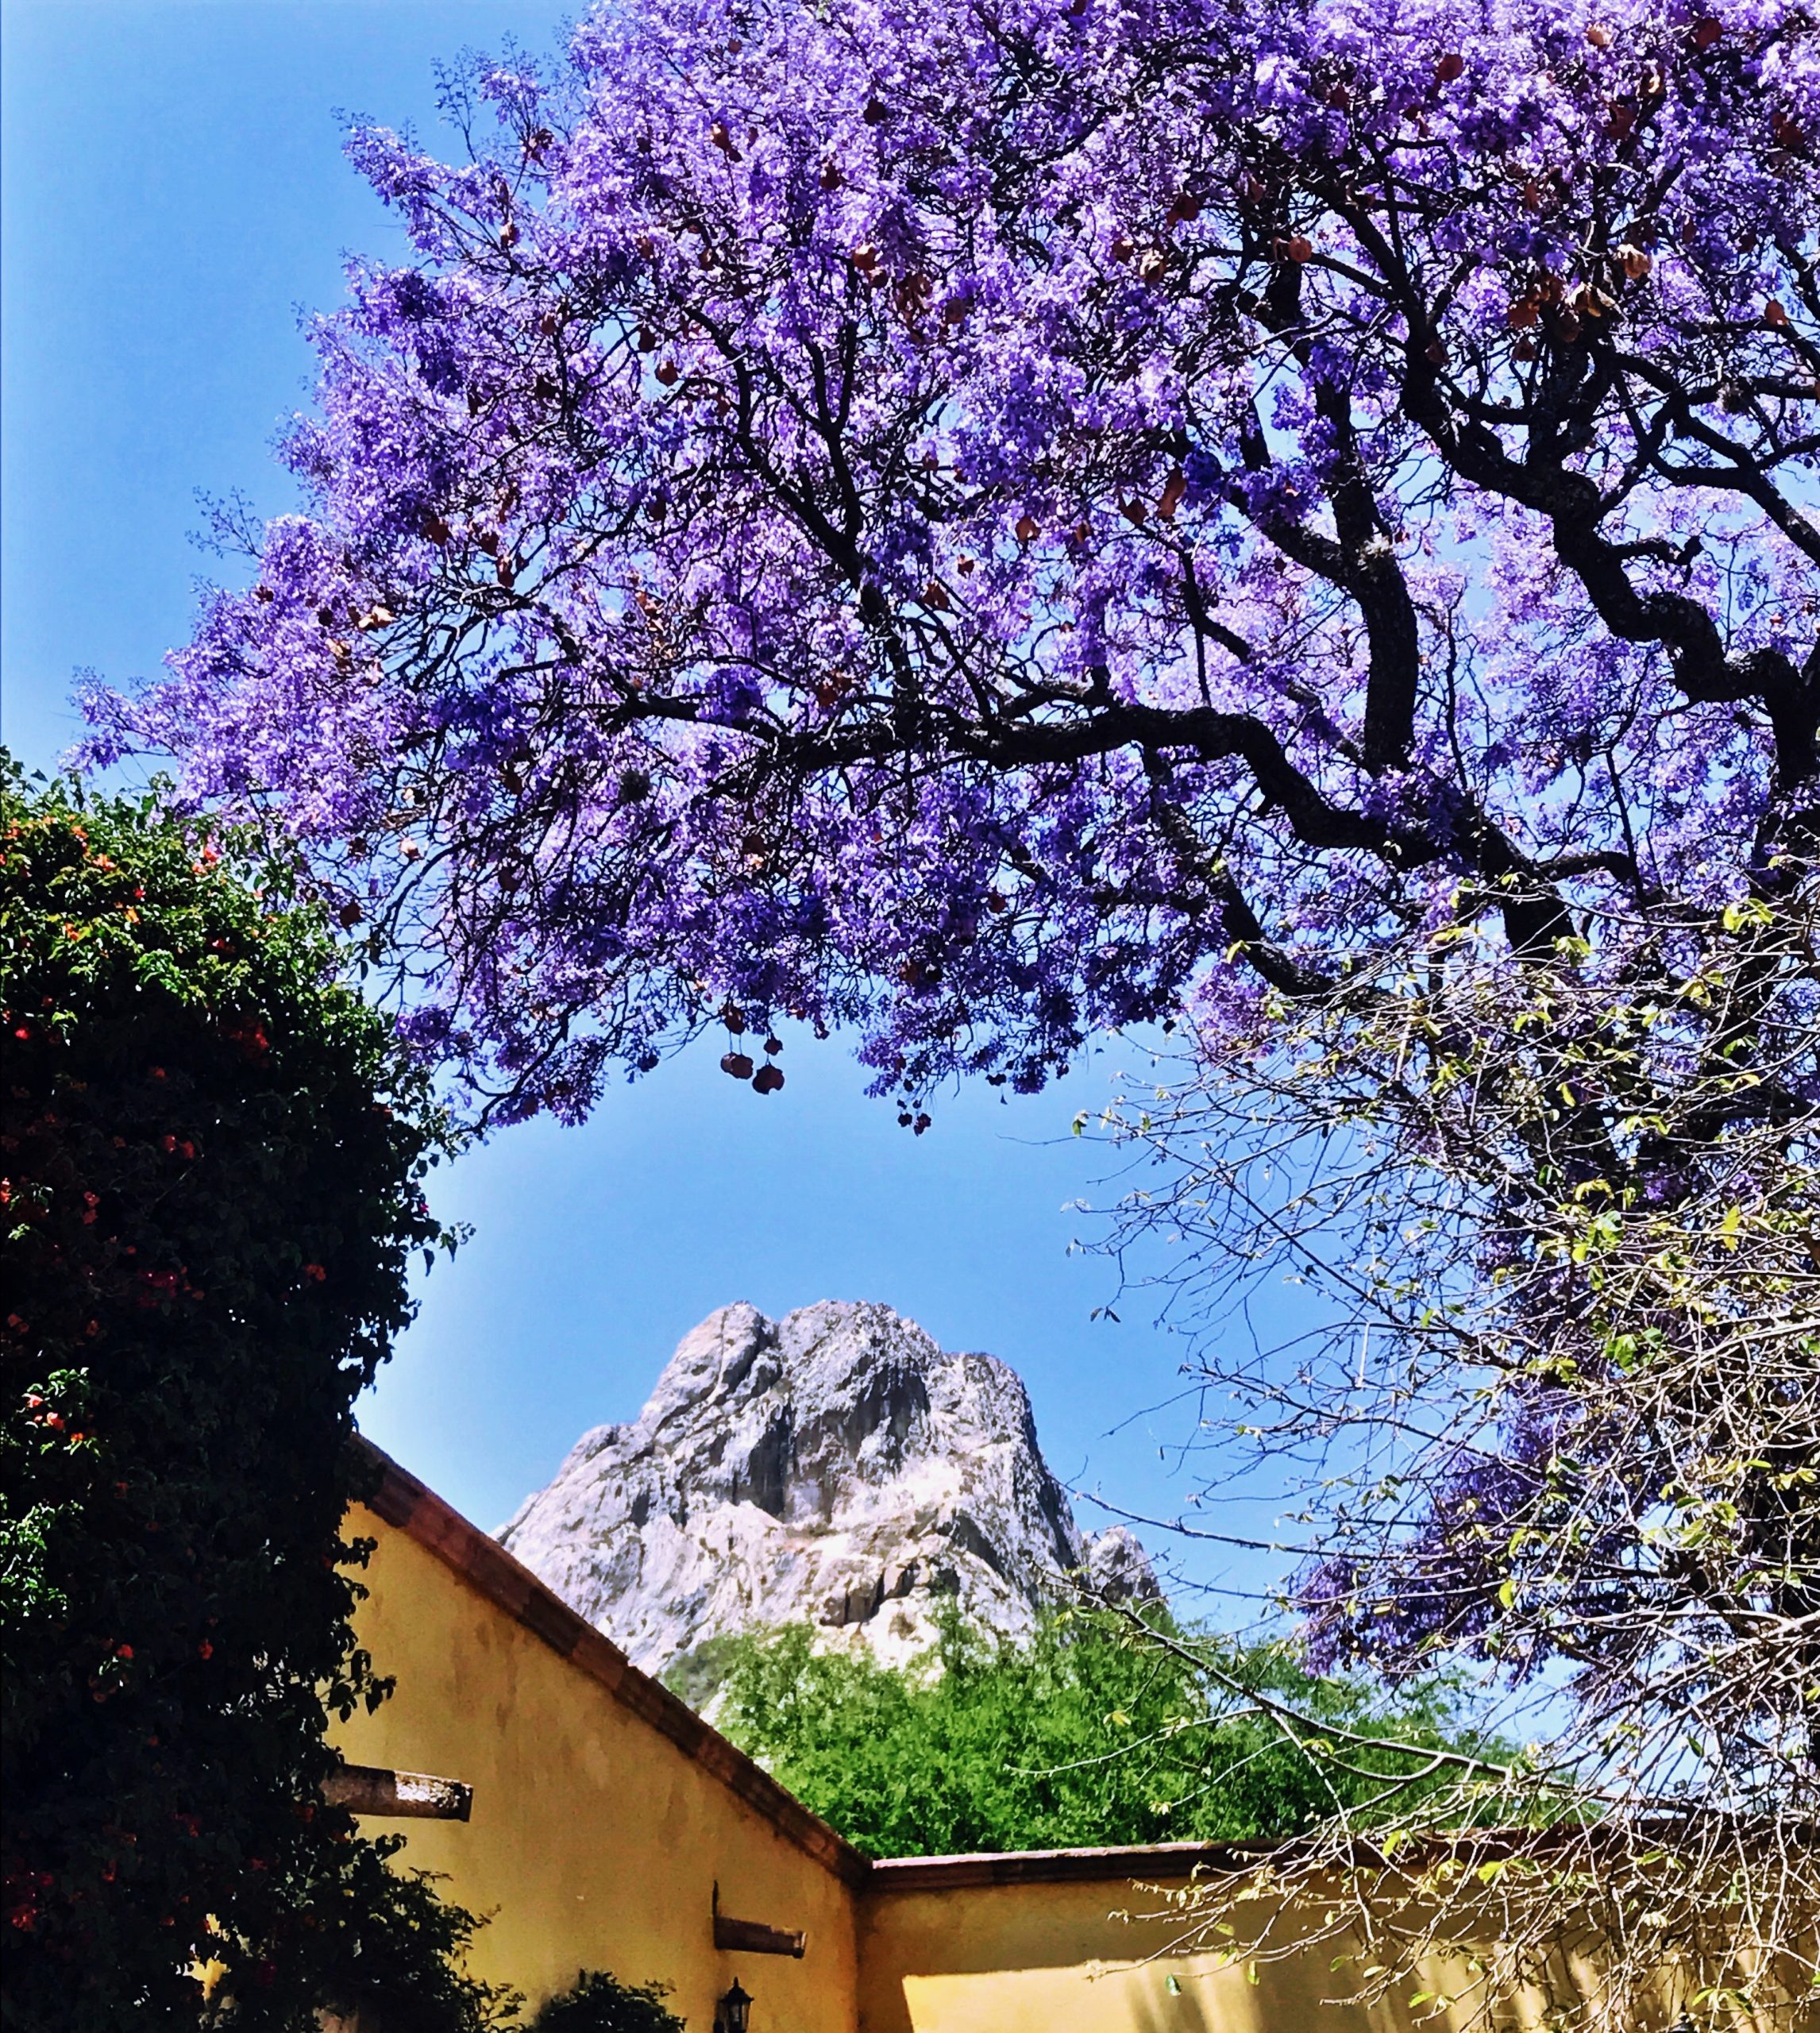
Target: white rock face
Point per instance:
(835, 1466)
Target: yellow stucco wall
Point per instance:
(1062, 1958)
(1033, 1958)
(595, 1842)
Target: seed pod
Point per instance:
(737, 1064)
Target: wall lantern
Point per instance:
(733, 2012)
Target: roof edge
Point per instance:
(396, 1495)
(1234, 1861)
(1151, 1860)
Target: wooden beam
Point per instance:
(372, 1789)
(753, 1938)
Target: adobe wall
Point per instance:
(1041, 1957)
(1065, 1948)
(596, 1841)
(605, 1814)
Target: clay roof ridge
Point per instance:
(1149, 1860)
(412, 1507)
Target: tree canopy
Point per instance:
(977, 523)
(1085, 1736)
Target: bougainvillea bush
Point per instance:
(211, 1165)
(981, 523)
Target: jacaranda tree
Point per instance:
(979, 522)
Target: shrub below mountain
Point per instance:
(1093, 1734)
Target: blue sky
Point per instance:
(174, 193)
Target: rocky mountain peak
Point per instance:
(835, 1466)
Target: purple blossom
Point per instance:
(970, 529)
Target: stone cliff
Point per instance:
(834, 1467)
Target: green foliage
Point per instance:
(211, 1156)
(698, 1675)
(1090, 1734)
(601, 2003)
(352, 1934)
